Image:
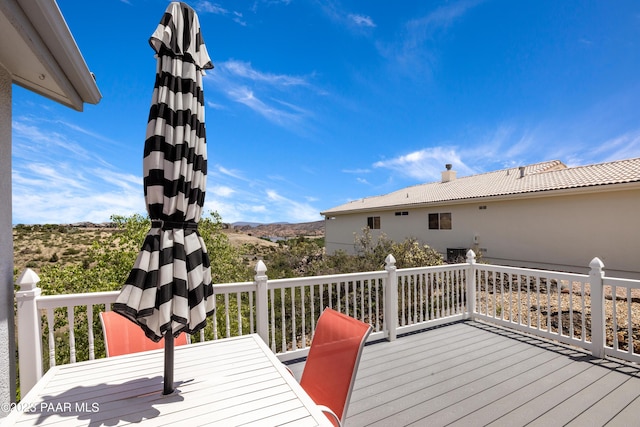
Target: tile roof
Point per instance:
(538, 177)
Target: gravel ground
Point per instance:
(575, 305)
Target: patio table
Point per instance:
(232, 381)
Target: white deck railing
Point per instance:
(570, 308)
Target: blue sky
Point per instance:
(315, 103)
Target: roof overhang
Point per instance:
(624, 186)
(41, 55)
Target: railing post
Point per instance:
(29, 334)
(391, 300)
(596, 282)
(262, 302)
(471, 284)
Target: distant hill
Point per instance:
(280, 229)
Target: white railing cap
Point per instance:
(261, 268)
(28, 280)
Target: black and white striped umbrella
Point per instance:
(169, 288)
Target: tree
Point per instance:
(108, 266)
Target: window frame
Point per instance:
(373, 222)
(440, 221)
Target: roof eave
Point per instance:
(510, 196)
(44, 30)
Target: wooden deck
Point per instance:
(475, 374)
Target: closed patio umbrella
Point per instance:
(169, 288)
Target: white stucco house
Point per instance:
(39, 53)
(544, 215)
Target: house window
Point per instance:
(440, 221)
(403, 213)
(373, 222)
(445, 221)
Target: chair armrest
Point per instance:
(331, 415)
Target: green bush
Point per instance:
(107, 267)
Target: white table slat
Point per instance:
(235, 381)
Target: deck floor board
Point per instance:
(476, 374)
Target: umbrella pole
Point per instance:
(168, 363)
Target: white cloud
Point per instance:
(228, 172)
(208, 7)
(246, 96)
(625, 146)
(353, 21)
(297, 211)
(245, 70)
(361, 20)
(55, 202)
(221, 190)
(425, 164)
(356, 171)
(414, 51)
(268, 94)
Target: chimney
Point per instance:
(521, 171)
(448, 175)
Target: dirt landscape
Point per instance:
(38, 245)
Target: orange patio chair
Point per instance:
(333, 360)
(122, 336)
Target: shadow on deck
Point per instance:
(475, 374)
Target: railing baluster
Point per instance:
(354, 306)
(494, 302)
(570, 289)
(252, 327)
(363, 299)
(538, 301)
(629, 322)
(303, 315)
(458, 295)
(548, 305)
(417, 295)
(272, 329)
(52, 342)
(503, 306)
(420, 295)
(614, 315)
(529, 303)
(403, 321)
(583, 294)
(440, 293)
(294, 345)
(92, 354)
(239, 312)
(379, 283)
(283, 321)
(215, 321)
(313, 309)
(226, 315)
(369, 301)
(559, 288)
(447, 275)
(72, 335)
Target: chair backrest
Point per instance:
(122, 336)
(333, 359)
